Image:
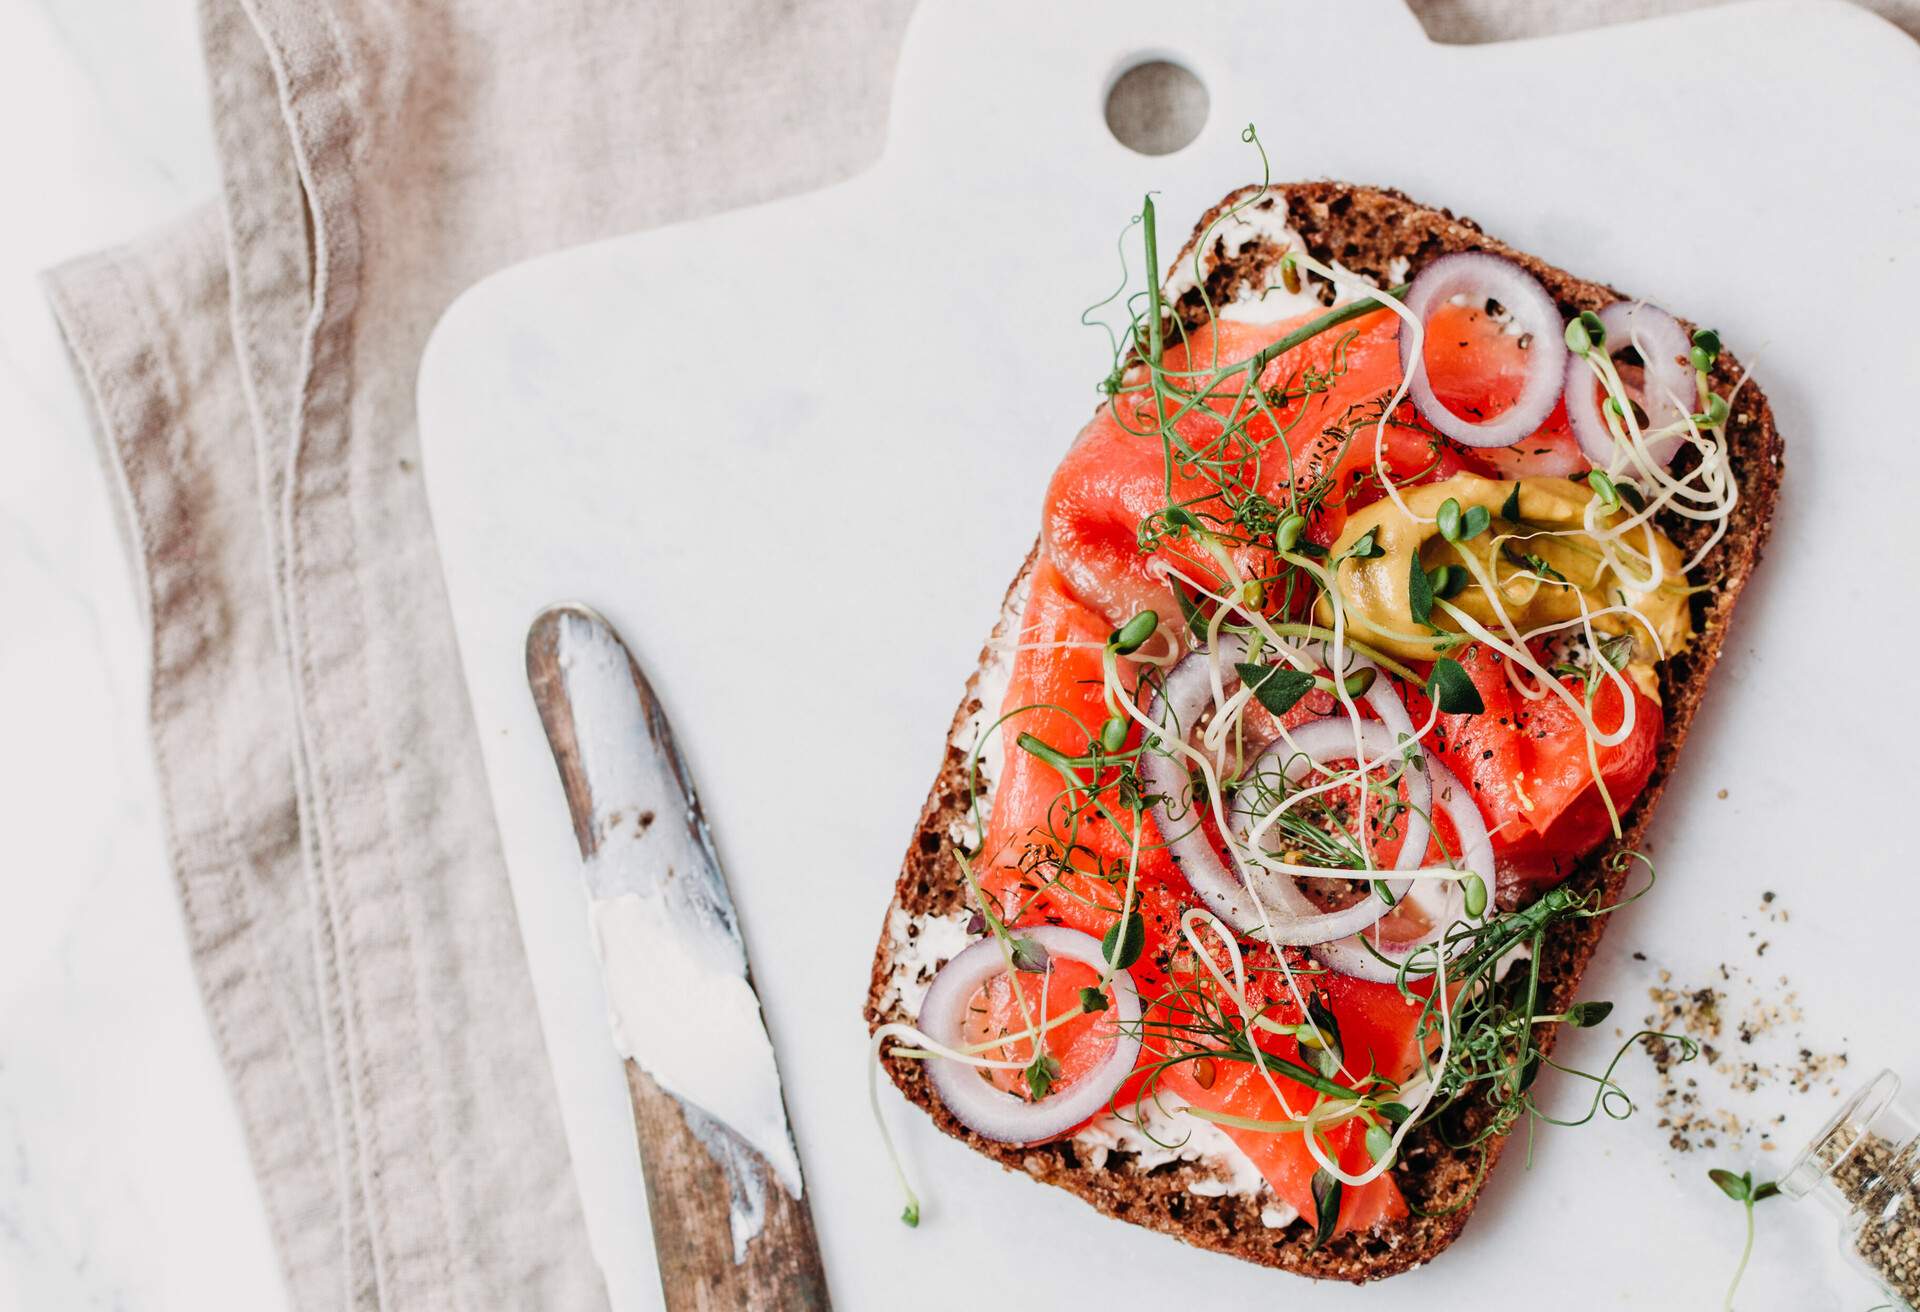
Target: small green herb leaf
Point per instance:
(1277, 687)
(1585, 1015)
(1041, 1073)
(1764, 1191)
(1395, 1111)
(1326, 1205)
(1028, 955)
(1366, 548)
(1452, 690)
(1737, 1187)
(1510, 508)
(1092, 1000)
(1617, 651)
(910, 1215)
(1379, 1142)
(1474, 521)
(1419, 592)
(1124, 940)
(1448, 517)
(1181, 517)
(1287, 533)
(1113, 734)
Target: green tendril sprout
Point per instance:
(1745, 1192)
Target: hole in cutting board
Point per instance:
(1156, 107)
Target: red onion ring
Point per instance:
(1669, 374)
(1443, 902)
(1316, 743)
(1483, 277)
(1178, 706)
(990, 1111)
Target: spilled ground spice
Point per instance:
(1748, 1026)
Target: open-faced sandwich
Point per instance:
(1319, 731)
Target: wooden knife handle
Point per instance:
(687, 1198)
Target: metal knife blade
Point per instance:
(707, 1100)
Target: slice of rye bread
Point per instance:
(1370, 231)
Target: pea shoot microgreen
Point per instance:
(1133, 635)
(1745, 1192)
(1585, 333)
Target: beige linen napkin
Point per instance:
(252, 369)
(1465, 22)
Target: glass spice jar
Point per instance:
(1865, 1165)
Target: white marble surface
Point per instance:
(123, 1181)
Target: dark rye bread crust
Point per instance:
(1364, 229)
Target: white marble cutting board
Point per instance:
(796, 451)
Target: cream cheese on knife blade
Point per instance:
(664, 928)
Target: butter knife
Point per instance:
(730, 1220)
